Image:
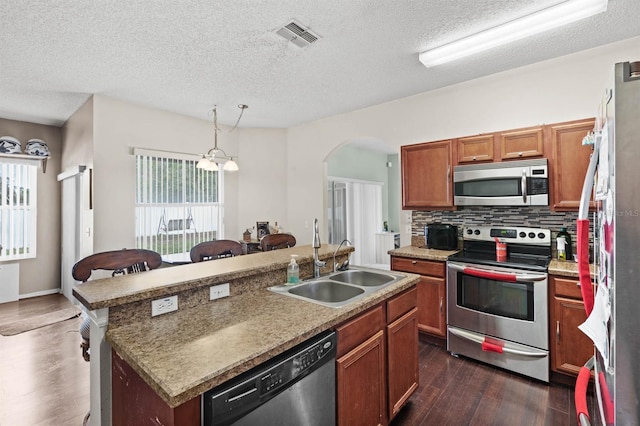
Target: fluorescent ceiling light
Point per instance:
(537, 22)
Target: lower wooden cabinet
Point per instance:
(134, 402)
(570, 347)
(432, 317)
(377, 362)
(403, 360)
(432, 293)
(361, 384)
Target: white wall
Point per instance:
(256, 192)
(119, 127)
(558, 90)
(261, 182)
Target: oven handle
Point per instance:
(523, 186)
(481, 340)
(501, 276)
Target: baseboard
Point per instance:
(40, 293)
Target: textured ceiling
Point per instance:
(185, 56)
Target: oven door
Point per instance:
(501, 302)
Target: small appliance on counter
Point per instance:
(441, 236)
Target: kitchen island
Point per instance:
(204, 343)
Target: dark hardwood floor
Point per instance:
(460, 391)
(45, 381)
(43, 378)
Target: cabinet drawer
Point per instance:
(567, 287)
(401, 304)
(356, 331)
(418, 266)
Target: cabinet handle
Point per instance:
(448, 179)
(578, 284)
(440, 304)
(558, 331)
(414, 262)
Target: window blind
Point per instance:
(18, 200)
(177, 205)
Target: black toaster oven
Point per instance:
(441, 236)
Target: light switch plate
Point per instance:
(164, 305)
(218, 291)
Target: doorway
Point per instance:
(77, 224)
(355, 213)
(363, 192)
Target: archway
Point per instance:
(362, 201)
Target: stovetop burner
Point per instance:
(527, 248)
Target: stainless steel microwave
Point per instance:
(507, 183)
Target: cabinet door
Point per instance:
(570, 347)
(402, 344)
(426, 175)
(523, 143)
(475, 149)
(570, 162)
(432, 316)
(361, 384)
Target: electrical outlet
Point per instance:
(218, 291)
(164, 305)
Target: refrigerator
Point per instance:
(613, 309)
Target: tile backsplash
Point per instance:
(534, 217)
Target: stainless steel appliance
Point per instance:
(497, 310)
(613, 312)
(441, 236)
(506, 183)
(295, 388)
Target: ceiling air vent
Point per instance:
(297, 34)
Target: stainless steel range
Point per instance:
(497, 310)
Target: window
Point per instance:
(18, 196)
(177, 205)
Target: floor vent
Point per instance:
(297, 34)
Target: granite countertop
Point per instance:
(556, 267)
(185, 353)
(567, 268)
(422, 253)
(120, 290)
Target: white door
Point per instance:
(77, 224)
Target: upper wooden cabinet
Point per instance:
(522, 143)
(569, 163)
(475, 149)
(427, 170)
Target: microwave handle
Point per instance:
(497, 275)
(523, 186)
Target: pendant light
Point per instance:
(217, 155)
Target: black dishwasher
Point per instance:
(294, 388)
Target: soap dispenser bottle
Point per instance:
(293, 271)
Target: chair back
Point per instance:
(277, 241)
(125, 261)
(217, 249)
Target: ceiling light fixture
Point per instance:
(537, 22)
(215, 155)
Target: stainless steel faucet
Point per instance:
(317, 263)
(345, 265)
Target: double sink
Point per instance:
(340, 288)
